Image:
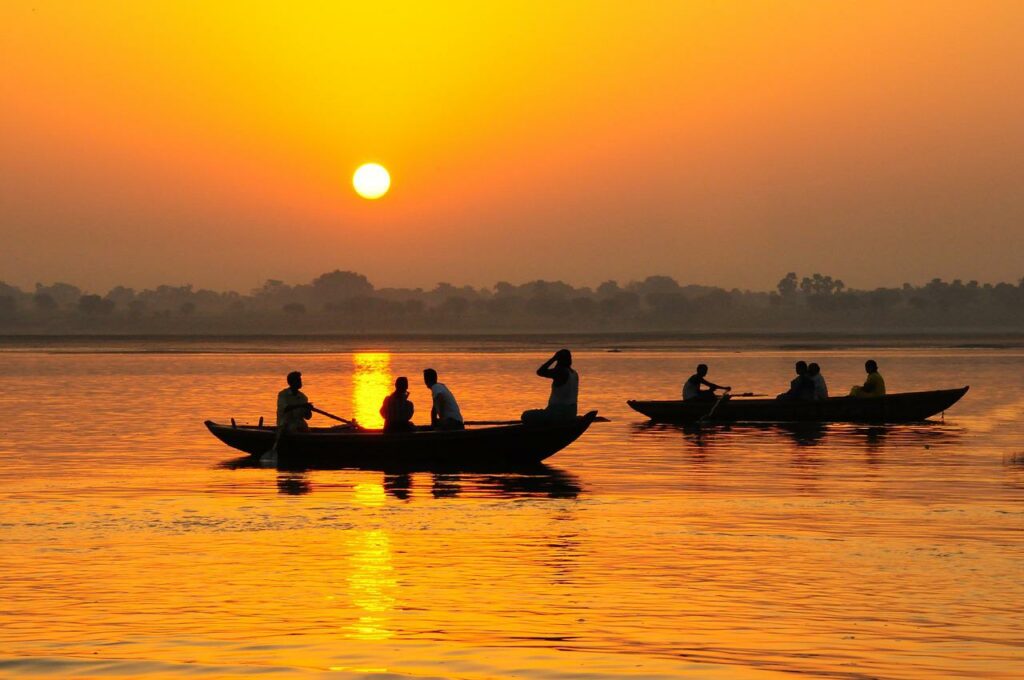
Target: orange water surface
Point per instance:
(133, 546)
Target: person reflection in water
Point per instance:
(565, 390)
(692, 387)
(444, 410)
(397, 410)
(293, 408)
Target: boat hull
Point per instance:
(486, 447)
(892, 408)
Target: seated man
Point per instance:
(820, 388)
(397, 410)
(565, 390)
(444, 410)
(293, 408)
(692, 390)
(874, 385)
(801, 387)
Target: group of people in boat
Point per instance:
(294, 408)
(808, 385)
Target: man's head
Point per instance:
(429, 377)
(294, 380)
(702, 370)
(801, 367)
(564, 357)
(813, 369)
(870, 366)
(402, 384)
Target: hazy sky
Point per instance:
(717, 142)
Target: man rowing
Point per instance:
(874, 384)
(444, 410)
(565, 391)
(293, 408)
(692, 387)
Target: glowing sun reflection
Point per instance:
(371, 584)
(371, 382)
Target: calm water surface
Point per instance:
(132, 545)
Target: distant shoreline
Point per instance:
(504, 342)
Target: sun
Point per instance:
(371, 180)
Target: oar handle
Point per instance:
(314, 409)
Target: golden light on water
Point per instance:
(371, 382)
(371, 584)
(371, 180)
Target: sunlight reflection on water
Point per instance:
(371, 382)
(135, 543)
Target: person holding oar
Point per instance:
(293, 407)
(692, 387)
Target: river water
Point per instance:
(133, 545)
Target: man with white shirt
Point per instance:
(444, 411)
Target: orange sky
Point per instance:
(717, 142)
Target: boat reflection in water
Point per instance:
(537, 481)
(872, 437)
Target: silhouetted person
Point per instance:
(444, 410)
(820, 388)
(801, 387)
(397, 410)
(692, 390)
(565, 391)
(293, 408)
(874, 385)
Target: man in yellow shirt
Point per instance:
(874, 385)
(293, 408)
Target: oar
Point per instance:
(270, 456)
(598, 419)
(715, 407)
(331, 416)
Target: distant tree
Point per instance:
(44, 302)
(455, 306)
(64, 294)
(787, 285)
(94, 305)
(608, 289)
(338, 285)
(187, 308)
(121, 296)
(655, 285)
(8, 307)
(136, 308)
(294, 308)
(821, 285)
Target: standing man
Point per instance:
(565, 391)
(293, 408)
(444, 410)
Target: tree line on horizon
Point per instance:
(344, 301)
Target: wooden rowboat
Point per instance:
(508, 446)
(892, 408)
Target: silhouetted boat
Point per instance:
(892, 408)
(505, 446)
